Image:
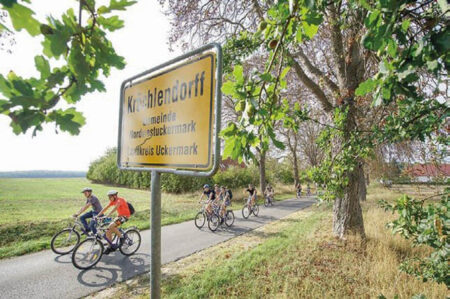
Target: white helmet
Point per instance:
(112, 192)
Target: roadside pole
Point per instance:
(159, 112)
(155, 264)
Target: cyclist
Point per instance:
(252, 194)
(210, 195)
(225, 200)
(269, 192)
(298, 187)
(308, 190)
(91, 201)
(123, 214)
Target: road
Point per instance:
(45, 275)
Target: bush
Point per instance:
(178, 184)
(235, 177)
(283, 173)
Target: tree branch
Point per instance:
(312, 86)
(315, 71)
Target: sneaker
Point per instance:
(121, 241)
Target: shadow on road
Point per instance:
(114, 268)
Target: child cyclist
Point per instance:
(123, 214)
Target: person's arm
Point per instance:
(103, 211)
(113, 210)
(201, 197)
(84, 208)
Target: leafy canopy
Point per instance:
(86, 54)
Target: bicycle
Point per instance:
(201, 217)
(215, 219)
(64, 241)
(89, 252)
(299, 194)
(249, 209)
(268, 201)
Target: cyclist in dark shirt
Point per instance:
(252, 194)
(210, 195)
(91, 202)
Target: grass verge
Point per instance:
(296, 257)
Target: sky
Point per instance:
(143, 43)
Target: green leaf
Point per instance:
(120, 4)
(366, 87)
(238, 73)
(284, 72)
(112, 23)
(68, 120)
(310, 29)
(42, 66)
(228, 88)
(22, 18)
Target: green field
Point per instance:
(33, 210)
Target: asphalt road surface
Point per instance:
(46, 275)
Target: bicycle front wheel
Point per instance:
(245, 212)
(131, 243)
(200, 219)
(229, 218)
(266, 202)
(87, 254)
(213, 222)
(65, 241)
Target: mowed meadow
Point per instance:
(32, 210)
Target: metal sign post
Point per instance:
(169, 122)
(155, 265)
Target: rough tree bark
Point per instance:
(362, 183)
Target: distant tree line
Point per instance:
(43, 174)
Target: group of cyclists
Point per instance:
(119, 204)
(221, 196)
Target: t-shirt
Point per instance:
(122, 207)
(251, 191)
(96, 205)
(208, 194)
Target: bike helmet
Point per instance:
(205, 186)
(112, 192)
(87, 189)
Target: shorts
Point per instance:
(120, 220)
(227, 202)
(250, 199)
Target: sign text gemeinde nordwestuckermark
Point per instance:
(167, 119)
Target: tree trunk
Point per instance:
(347, 214)
(262, 171)
(296, 177)
(362, 183)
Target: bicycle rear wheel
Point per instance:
(245, 212)
(213, 222)
(229, 218)
(131, 243)
(266, 202)
(255, 210)
(200, 219)
(65, 241)
(87, 254)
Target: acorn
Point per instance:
(273, 43)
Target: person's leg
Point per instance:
(93, 224)
(83, 220)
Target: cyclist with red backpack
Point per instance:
(124, 211)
